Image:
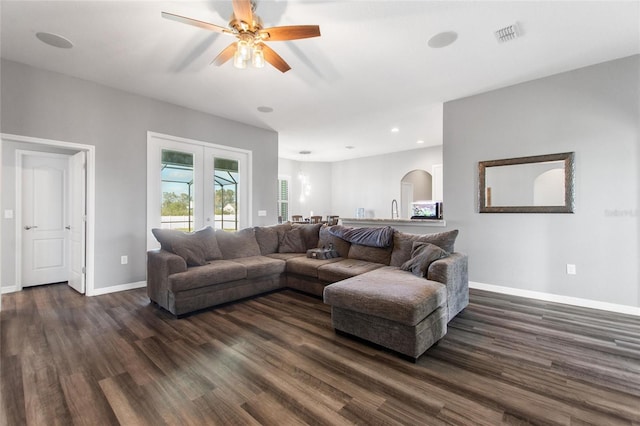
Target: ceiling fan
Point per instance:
(246, 26)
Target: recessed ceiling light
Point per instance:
(265, 109)
(349, 146)
(420, 141)
(54, 40)
(443, 39)
(305, 152)
(394, 130)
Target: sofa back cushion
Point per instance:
(238, 244)
(403, 244)
(310, 234)
(371, 254)
(326, 239)
(292, 242)
(195, 248)
(268, 237)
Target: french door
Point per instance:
(194, 184)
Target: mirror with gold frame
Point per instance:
(536, 184)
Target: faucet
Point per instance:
(394, 203)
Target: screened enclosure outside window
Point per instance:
(225, 204)
(177, 190)
(283, 199)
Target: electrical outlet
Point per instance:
(571, 269)
(124, 260)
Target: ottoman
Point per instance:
(390, 307)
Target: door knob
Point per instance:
(29, 227)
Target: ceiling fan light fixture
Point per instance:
(257, 59)
(238, 61)
(244, 49)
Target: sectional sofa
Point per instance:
(395, 289)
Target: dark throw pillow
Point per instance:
(403, 244)
(292, 242)
(238, 244)
(423, 255)
(195, 248)
(191, 250)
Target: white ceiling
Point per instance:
(370, 70)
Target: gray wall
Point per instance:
(48, 105)
(592, 111)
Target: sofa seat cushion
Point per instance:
(215, 272)
(346, 268)
(261, 266)
(307, 266)
(286, 256)
(388, 293)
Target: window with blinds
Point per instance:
(283, 199)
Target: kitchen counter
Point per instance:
(404, 225)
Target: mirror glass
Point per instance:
(538, 184)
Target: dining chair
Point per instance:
(332, 220)
(296, 218)
(315, 219)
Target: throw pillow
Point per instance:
(195, 248)
(268, 237)
(292, 242)
(191, 250)
(423, 255)
(309, 233)
(238, 244)
(403, 243)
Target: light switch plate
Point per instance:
(8, 214)
(262, 212)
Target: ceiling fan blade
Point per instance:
(242, 11)
(292, 32)
(196, 23)
(226, 54)
(274, 59)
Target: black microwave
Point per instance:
(426, 210)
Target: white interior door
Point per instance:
(44, 254)
(77, 221)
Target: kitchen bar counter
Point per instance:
(405, 225)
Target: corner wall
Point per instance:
(593, 111)
(48, 105)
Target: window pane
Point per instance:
(225, 204)
(177, 190)
(283, 199)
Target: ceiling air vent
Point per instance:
(508, 33)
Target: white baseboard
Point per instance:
(9, 289)
(567, 300)
(116, 288)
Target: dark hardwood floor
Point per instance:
(117, 359)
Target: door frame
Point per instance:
(90, 207)
(155, 143)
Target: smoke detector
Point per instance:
(508, 33)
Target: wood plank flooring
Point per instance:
(275, 360)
